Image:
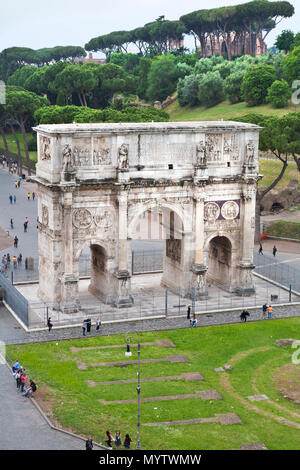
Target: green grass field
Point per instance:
(76, 406)
(271, 168)
(13, 146)
(223, 111)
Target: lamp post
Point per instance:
(128, 340)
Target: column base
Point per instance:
(199, 290)
(123, 298)
(245, 287)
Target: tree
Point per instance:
(162, 78)
(232, 86)
(210, 89)
(279, 94)
(284, 42)
(187, 90)
(256, 83)
(278, 138)
(291, 65)
(19, 77)
(20, 107)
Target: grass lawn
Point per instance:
(271, 168)
(282, 228)
(13, 146)
(248, 347)
(224, 110)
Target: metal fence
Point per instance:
(147, 261)
(281, 272)
(17, 302)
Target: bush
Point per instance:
(256, 82)
(279, 94)
(187, 91)
(210, 89)
(232, 86)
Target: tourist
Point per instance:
(11, 223)
(244, 315)
(188, 313)
(23, 380)
(98, 324)
(16, 366)
(260, 251)
(274, 250)
(10, 198)
(109, 439)
(15, 199)
(26, 263)
(194, 321)
(28, 196)
(16, 184)
(18, 379)
(118, 440)
(49, 324)
(83, 328)
(270, 312)
(89, 444)
(16, 241)
(20, 259)
(127, 441)
(33, 196)
(14, 260)
(30, 390)
(25, 226)
(88, 325)
(8, 260)
(264, 310)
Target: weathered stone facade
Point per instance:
(95, 180)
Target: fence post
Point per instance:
(12, 278)
(132, 262)
(193, 300)
(290, 293)
(166, 302)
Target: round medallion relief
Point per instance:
(230, 210)
(211, 211)
(82, 218)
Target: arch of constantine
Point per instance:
(95, 180)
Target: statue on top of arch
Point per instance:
(123, 157)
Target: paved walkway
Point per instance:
(24, 427)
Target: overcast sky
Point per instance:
(40, 23)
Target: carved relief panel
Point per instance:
(45, 148)
(101, 154)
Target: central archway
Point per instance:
(219, 270)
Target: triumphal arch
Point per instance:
(95, 180)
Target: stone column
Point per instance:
(123, 297)
(246, 285)
(69, 282)
(199, 268)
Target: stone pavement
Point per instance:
(25, 428)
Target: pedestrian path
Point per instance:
(21, 425)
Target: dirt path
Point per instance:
(5, 240)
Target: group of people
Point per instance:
(117, 440)
(193, 321)
(267, 310)
(260, 250)
(16, 261)
(87, 325)
(26, 387)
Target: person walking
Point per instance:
(118, 440)
(244, 315)
(20, 259)
(26, 263)
(98, 324)
(109, 439)
(127, 441)
(89, 444)
(14, 260)
(28, 196)
(274, 250)
(260, 251)
(83, 328)
(16, 241)
(88, 325)
(8, 260)
(49, 324)
(264, 310)
(10, 198)
(188, 313)
(194, 321)
(25, 226)
(33, 196)
(11, 223)
(270, 310)
(15, 199)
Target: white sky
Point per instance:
(40, 23)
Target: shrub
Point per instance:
(279, 94)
